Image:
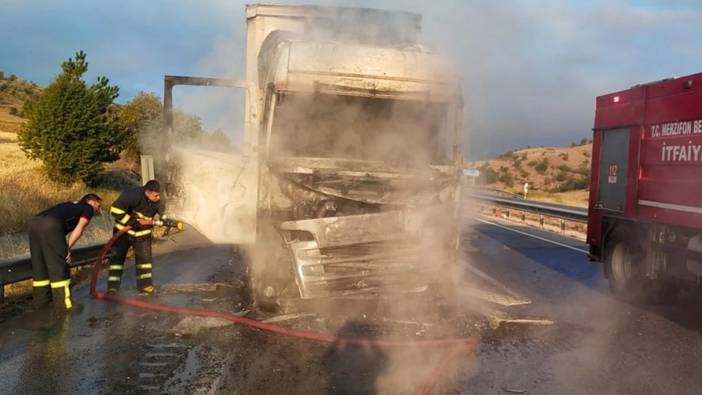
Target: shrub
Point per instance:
(506, 155)
(72, 127)
(506, 178)
(572, 184)
(517, 162)
(541, 166)
(562, 176)
(487, 175)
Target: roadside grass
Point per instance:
(25, 191)
(577, 198)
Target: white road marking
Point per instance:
(535, 236)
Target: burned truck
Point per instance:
(348, 181)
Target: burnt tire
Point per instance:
(627, 280)
(271, 291)
(272, 281)
(265, 297)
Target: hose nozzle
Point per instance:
(170, 223)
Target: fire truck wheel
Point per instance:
(626, 278)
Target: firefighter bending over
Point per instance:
(51, 253)
(136, 208)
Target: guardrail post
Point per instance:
(507, 214)
(562, 225)
(541, 221)
(523, 217)
(494, 211)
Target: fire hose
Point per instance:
(461, 344)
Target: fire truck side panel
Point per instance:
(663, 201)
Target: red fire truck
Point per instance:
(645, 209)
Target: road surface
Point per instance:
(596, 345)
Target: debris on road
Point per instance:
(193, 325)
(286, 317)
(194, 287)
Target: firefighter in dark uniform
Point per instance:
(136, 208)
(51, 253)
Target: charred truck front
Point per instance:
(349, 179)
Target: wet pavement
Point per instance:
(596, 344)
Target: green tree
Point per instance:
(142, 120)
(72, 127)
(144, 126)
(187, 127)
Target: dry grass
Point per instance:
(27, 191)
(572, 198)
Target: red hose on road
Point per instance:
(463, 344)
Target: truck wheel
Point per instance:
(626, 279)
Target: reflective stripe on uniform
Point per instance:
(67, 299)
(59, 284)
(142, 216)
(66, 291)
(144, 266)
(133, 233)
(124, 219)
(115, 267)
(143, 276)
(41, 283)
(141, 233)
(116, 210)
(114, 278)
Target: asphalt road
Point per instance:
(596, 344)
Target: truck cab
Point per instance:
(349, 182)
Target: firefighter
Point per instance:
(136, 208)
(51, 253)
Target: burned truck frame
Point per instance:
(348, 181)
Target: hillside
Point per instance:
(555, 174)
(13, 93)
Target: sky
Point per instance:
(530, 68)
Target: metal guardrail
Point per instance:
(20, 269)
(553, 210)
